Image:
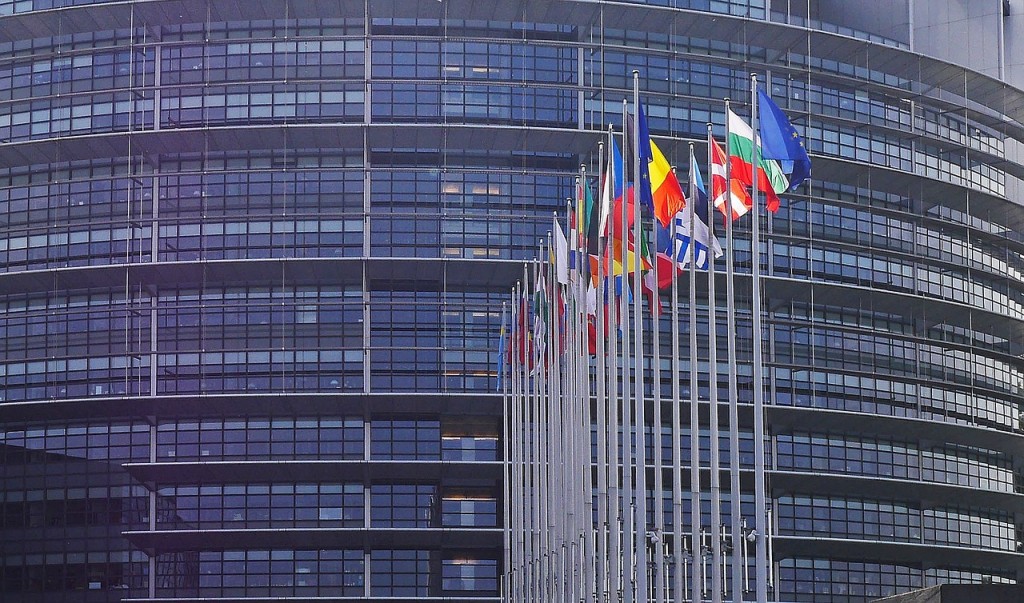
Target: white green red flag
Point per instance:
(771, 180)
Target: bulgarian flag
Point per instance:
(771, 180)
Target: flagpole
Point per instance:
(578, 405)
(580, 400)
(587, 522)
(572, 413)
(735, 508)
(525, 507)
(659, 486)
(612, 391)
(539, 527)
(611, 360)
(760, 504)
(506, 445)
(530, 439)
(600, 314)
(696, 518)
(524, 450)
(716, 495)
(561, 455)
(521, 409)
(519, 357)
(529, 443)
(560, 512)
(565, 411)
(567, 405)
(551, 467)
(679, 586)
(508, 488)
(511, 490)
(535, 440)
(625, 509)
(547, 520)
(640, 491)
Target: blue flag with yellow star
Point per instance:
(780, 141)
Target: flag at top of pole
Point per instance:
(702, 240)
(660, 189)
(613, 183)
(584, 209)
(732, 198)
(780, 141)
(700, 203)
(643, 151)
(560, 253)
(668, 195)
(771, 180)
(501, 351)
(520, 340)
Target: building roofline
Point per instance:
(937, 79)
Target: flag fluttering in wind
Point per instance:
(613, 266)
(650, 290)
(560, 253)
(654, 175)
(521, 340)
(612, 187)
(700, 243)
(732, 198)
(540, 321)
(659, 188)
(771, 180)
(643, 150)
(668, 195)
(700, 204)
(662, 192)
(780, 141)
(616, 231)
(577, 225)
(501, 351)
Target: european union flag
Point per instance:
(646, 192)
(780, 141)
(643, 182)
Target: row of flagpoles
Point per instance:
(572, 345)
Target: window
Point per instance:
(403, 506)
(399, 573)
(461, 574)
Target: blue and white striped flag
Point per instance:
(680, 248)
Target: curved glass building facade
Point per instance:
(254, 254)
